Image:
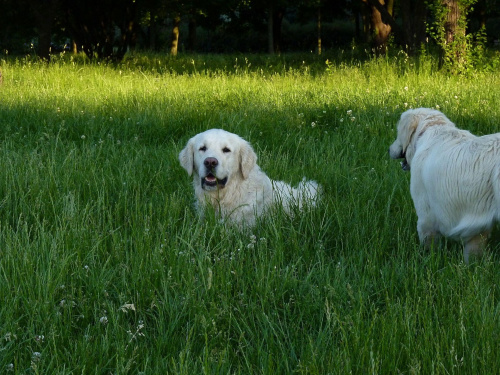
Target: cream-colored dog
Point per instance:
(226, 176)
(455, 178)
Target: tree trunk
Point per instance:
(175, 35)
(44, 38)
(152, 33)
(192, 34)
(270, 29)
(277, 22)
(128, 40)
(481, 6)
(381, 29)
(357, 25)
(319, 31)
(367, 25)
(455, 43)
(94, 27)
(44, 15)
(413, 14)
(451, 23)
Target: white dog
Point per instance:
(455, 178)
(226, 177)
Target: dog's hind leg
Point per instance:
(427, 233)
(473, 247)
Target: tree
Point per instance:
(316, 5)
(29, 22)
(174, 39)
(382, 22)
(16, 26)
(411, 34)
(103, 28)
(45, 16)
(189, 8)
(322, 13)
(414, 15)
(319, 31)
(151, 12)
(192, 32)
(449, 31)
(276, 13)
(453, 29)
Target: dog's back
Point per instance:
(463, 185)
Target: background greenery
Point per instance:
(105, 268)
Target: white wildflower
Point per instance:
(128, 306)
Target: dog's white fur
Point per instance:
(455, 178)
(226, 176)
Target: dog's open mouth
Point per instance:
(212, 181)
(404, 165)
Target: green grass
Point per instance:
(105, 268)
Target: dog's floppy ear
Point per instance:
(248, 159)
(186, 157)
(410, 122)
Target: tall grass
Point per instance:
(105, 268)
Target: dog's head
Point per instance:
(412, 125)
(216, 157)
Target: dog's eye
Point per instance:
(226, 150)
(203, 148)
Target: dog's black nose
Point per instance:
(211, 162)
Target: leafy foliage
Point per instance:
(460, 51)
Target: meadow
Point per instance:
(106, 269)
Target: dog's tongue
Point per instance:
(210, 178)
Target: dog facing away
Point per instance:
(455, 178)
(226, 176)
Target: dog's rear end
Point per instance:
(306, 193)
(455, 178)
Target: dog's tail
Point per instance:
(306, 193)
(309, 191)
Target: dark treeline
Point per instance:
(107, 29)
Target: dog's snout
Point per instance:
(211, 162)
